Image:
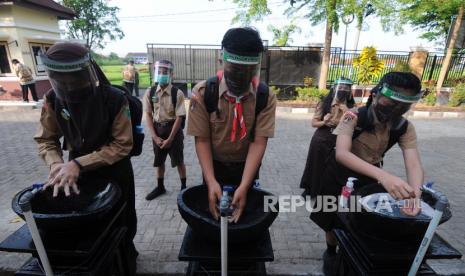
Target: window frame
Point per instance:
(43, 47)
(8, 56)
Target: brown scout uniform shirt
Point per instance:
(24, 73)
(129, 73)
(49, 133)
(337, 110)
(370, 145)
(218, 128)
(163, 109)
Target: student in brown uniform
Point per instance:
(26, 80)
(94, 119)
(130, 77)
(230, 139)
(362, 140)
(327, 115)
(165, 114)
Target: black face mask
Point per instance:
(390, 113)
(237, 82)
(342, 95)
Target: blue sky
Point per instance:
(205, 22)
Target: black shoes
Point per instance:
(329, 263)
(158, 191)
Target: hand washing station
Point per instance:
(376, 238)
(249, 240)
(78, 232)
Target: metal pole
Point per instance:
(224, 246)
(441, 203)
(344, 53)
(25, 204)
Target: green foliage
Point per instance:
(456, 81)
(95, 22)
(401, 66)
(281, 36)
(251, 10)
(368, 65)
(431, 16)
(275, 90)
(311, 94)
(115, 75)
(457, 96)
(430, 98)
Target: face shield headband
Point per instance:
(74, 81)
(240, 72)
(343, 89)
(398, 96)
(162, 73)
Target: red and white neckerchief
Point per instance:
(238, 116)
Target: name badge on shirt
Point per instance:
(65, 114)
(155, 99)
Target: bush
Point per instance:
(275, 90)
(430, 98)
(457, 96)
(311, 94)
(401, 66)
(453, 82)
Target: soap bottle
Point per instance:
(346, 191)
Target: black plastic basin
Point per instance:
(395, 226)
(193, 206)
(82, 212)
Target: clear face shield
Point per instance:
(240, 72)
(391, 105)
(73, 82)
(162, 73)
(343, 90)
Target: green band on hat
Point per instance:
(58, 66)
(387, 92)
(238, 59)
(340, 81)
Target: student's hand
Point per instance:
(238, 203)
(158, 141)
(214, 195)
(396, 187)
(327, 117)
(166, 144)
(54, 169)
(65, 177)
(412, 206)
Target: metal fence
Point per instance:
(434, 64)
(287, 66)
(342, 63)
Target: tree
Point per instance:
(368, 65)
(95, 23)
(434, 17)
(281, 36)
(113, 56)
(450, 49)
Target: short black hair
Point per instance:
(165, 61)
(131, 61)
(242, 41)
(14, 61)
(404, 80)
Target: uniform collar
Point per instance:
(223, 88)
(167, 89)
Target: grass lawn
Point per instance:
(114, 74)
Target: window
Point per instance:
(36, 49)
(4, 59)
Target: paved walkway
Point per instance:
(297, 242)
